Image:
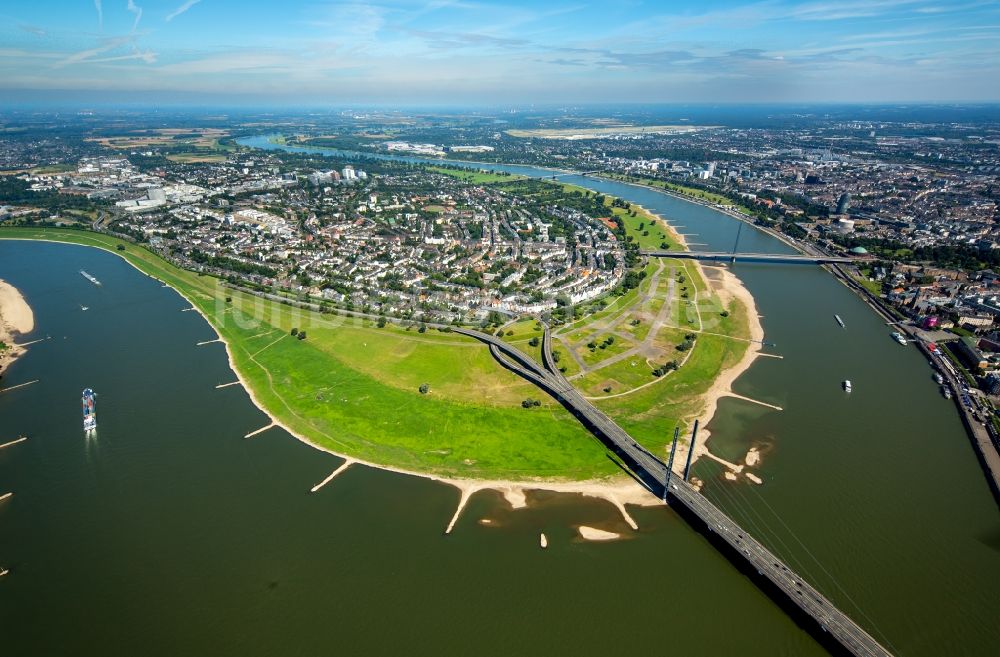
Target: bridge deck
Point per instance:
(654, 473)
(751, 257)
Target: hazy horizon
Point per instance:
(457, 53)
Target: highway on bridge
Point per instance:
(789, 258)
(654, 474)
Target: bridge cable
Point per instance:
(793, 560)
(828, 574)
(740, 509)
(742, 505)
(764, 529)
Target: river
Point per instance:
(169, 533)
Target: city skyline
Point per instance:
(442, 52)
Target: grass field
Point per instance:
(875, 287)
(684, 190)
(475, 176)
(180, 145)
(42, 170)
(196, 157)
(625, 388)
(354, 388)
(364, 401)
(597, 355)
(597, 132)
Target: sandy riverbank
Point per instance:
(657, 219)
(731, 288)
(16, 319)
(618, 490)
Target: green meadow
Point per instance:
(475, 176)
(355, 389)
(364, 401)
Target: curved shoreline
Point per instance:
(723, 384)
(731, 284)
(618, 490)
(731, 288)
(716, 207)
(333, 151)
(16, 319)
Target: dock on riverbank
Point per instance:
(986, 446)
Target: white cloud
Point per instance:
(132, 7)
(147, 56)
(84, 56)
(31, 29)
(100, 13)
(16, 53)
(833, 11)
(180, 10)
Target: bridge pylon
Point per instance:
(670, 463)
(739, 231)
(694, 438)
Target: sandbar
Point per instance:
(594, 534)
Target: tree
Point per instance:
(533, 342)
(424, 388)
(302, 335)
(666, 367)
(381, 322)
(295, 331)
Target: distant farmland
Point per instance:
(607, 131)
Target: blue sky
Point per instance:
(512, 52)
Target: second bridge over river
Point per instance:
(724, 256)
